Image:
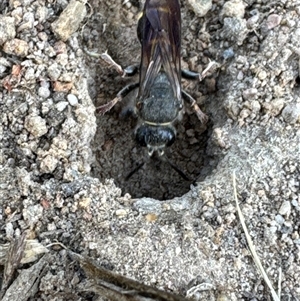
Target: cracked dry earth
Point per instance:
(63, 167)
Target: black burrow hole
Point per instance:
(117, 155)
(115, 150)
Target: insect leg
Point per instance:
(201, 116)
(122, 93)
(195, 75)
(211, 65)
(111, 63)
(128, 71)
(188, 74)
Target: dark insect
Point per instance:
(159, 104)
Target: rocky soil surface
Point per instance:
(63, 167)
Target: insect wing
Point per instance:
(159, 32)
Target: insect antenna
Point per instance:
(139, 166)
(163, 158)
(177, 169)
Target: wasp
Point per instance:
(159, 104)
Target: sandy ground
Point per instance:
(63, 167)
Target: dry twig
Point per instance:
(251, 245)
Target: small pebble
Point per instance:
(28, 22)
(121, 213)
(279, 219)
(43, 36)
(29, 73)
(61, 105)
(32, 214)
(253, 21)
(295, 203)
(51, 227)
(276, 106)
(54, 71)
(7, 29)
(273, 229)
(240, 75)
(17, 14)
(255, 106)
(2, 69)
(249, 93)
(41, 13)
(44, 92)
(273, 21)
(200, 7)
(40, 45)
(62, 59)
(262, 75)
(72, 99)
(285, 208)
(151, 217)
(85, 202)
(16, 47)
(233, 8)
(190, 132)
(9, 229)
(291, 113)
(67, 24)
(224, 296)
(36, 125)
(234, 30)
(228, 53)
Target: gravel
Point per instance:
(63, 167)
